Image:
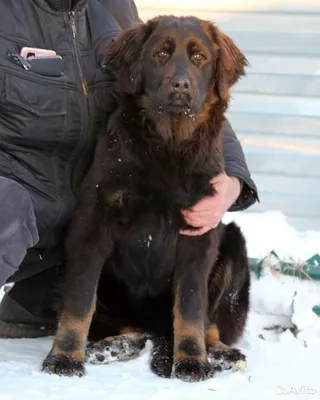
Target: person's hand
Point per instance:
(208, 212)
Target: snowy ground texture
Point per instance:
(280, 362)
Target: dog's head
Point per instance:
(177, 64)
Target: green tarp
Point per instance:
(309, 269)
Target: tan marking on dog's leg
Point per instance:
(233, 357)
(213, 338)
(72, 333)
(129, 329)
(188, 339)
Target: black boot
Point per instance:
(29, 308)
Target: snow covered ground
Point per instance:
(279, 363)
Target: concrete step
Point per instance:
(287, 165)
(283, 64)
(292, 6)
(290, 205)
(291, 195)
(278, 84)
(266, 22)
(281, 75)
(265, 123)
(275, 105)
(245, 20)
(281, 145)
(282, 155)
(277, 43)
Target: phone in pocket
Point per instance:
(31, 52)
(40, 61)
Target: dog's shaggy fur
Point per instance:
(161, 147)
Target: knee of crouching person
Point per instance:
(18, 226)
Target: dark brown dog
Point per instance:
(160, 149)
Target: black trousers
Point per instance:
(18, 230)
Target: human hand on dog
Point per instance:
(208, 212)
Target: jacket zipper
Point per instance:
(75, 45)
(77, 152)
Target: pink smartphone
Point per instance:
(27, 52)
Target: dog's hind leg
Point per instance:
(228, 302)
(124, 347)
(221, 356)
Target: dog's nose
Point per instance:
(180, 83)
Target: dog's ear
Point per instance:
(123, 55)
(230, 65)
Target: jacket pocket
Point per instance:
(35, 96)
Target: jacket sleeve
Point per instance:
(235, 165)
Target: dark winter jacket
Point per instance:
(47, 123)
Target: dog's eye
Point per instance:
(162, 54)
(197, 57)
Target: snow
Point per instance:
(279, 363)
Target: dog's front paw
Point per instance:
(63, 365)
(190, 370)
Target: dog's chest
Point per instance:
(170, 187)
(162, 175)
(144, 256)
(154, 190)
